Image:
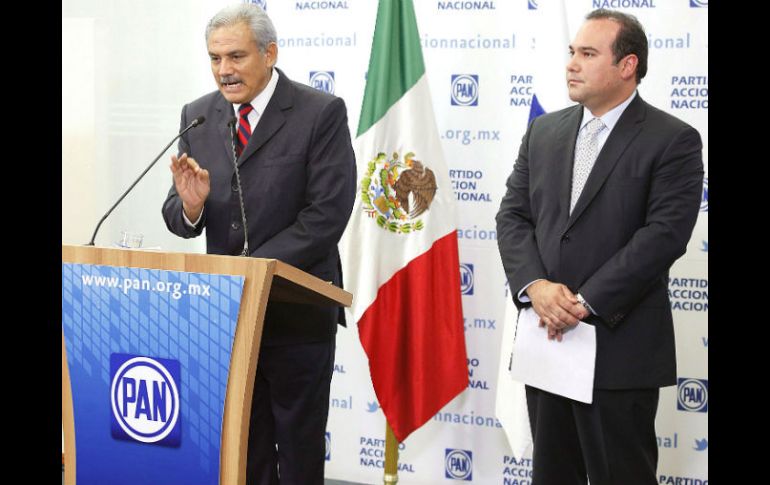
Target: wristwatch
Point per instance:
(582, 301)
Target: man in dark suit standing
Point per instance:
(297, 172)
(601, 202)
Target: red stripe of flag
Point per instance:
(414, 337)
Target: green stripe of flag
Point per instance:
(396, 61)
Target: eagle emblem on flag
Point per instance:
(396, 192)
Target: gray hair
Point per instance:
(260, 24)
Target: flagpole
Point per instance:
(391, 456)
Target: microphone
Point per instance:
(196, 122)
(232, 124)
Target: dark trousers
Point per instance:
(611, 441)
(287, 432)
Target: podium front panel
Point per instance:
(148, 353)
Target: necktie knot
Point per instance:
(245, 109)
(593, 127)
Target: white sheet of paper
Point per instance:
(565, 368)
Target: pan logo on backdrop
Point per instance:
(690, 92)
(692, 395)
(465, 5)
(259, 3)
(328, 443)
(466, 279)
(704, 201)
(465, 90)
(144, 398)
(322, 81)
(532, 4)
(458, 464)
(699, 4)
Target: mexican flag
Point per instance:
(399, 251)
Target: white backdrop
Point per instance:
(129, 66)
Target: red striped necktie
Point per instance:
(244, 129)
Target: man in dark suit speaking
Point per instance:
(602, 200)
(296, 171)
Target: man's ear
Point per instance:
(272, 54)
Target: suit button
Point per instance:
(235, 226)
(234, 187)
(565, 238)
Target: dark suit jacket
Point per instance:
(298, 176)
(632, 221)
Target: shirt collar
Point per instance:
(611, 117)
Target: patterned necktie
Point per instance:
(586, 151)
(244, 129)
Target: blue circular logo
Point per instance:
(704, 202)
(693, 395)
(322, 81)
(458, 464)
(466, 279)
(465, 90)
(145, 399)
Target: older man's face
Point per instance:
(240, 70)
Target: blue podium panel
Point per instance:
(148, 353)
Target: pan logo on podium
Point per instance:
(145, 399)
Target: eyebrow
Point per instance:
(229, 53)
(584, 49)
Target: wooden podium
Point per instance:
(263, 280)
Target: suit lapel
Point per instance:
(626, 129)
(223, 114)
(272, 119)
